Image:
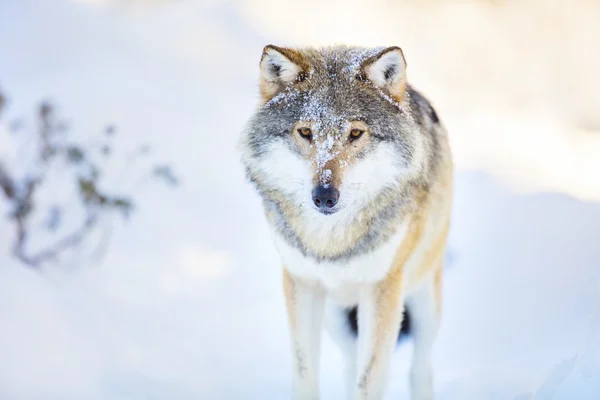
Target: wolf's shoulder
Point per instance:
(421, 107)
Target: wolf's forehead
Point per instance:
(326, 107)
(332, 97)
(324, 112)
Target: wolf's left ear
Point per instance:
(387, 71)
(280, 67)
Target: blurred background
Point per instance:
(135, 262)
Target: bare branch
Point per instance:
(52, 147)
(52, 252)
(2, 103)
(6, 184)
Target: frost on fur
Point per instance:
(387, 71)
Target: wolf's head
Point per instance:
(333, 131)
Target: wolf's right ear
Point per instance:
(280, 67)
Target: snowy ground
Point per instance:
(188, 303)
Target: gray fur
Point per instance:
(335, 90)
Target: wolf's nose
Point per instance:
(325, 197)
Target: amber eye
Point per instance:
(355, 134)
(305, 132)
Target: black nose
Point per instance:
(325, 197)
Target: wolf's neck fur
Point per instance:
(348, 233)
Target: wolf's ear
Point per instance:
(280, 67)
(387, 71)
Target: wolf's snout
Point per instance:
(325, 197)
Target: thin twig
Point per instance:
(51, 252)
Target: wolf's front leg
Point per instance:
(425, 308)
(379, 319)
(304, 303)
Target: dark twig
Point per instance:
(52, 252)
(52, 147)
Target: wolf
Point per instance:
(355, 173)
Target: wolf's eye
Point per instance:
(305, 132)
(355, 134)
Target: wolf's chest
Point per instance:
(335, 276)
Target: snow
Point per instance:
(285, 97)
(188, 302)
(358, 56)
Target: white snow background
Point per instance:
(188, 304)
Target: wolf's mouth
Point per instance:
(328, 211)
